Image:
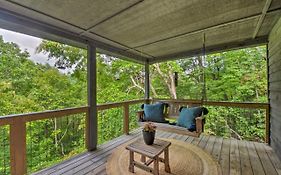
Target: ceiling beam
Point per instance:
(262, 16)
(16, 22)
(128, 49)
(45, 30)
(210, 27)
(85, 31)
(213, 49)
(112, 16)
(41, 13)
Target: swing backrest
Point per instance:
(171, 111)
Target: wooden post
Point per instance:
(126, 119)
(143, 158)
(18, 147)
(156, 166)
(166, 160)
(131, 164)
(267, 126)
(146, 80)
(267, 114)
(91, 122)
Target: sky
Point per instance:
(26, 42)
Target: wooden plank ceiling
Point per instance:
(145, 30)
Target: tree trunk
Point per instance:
(56, 136)
(172, 87)
(153, 90)
(168, 80)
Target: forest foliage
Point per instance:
(238, 75)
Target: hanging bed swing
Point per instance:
(195, 128)
(190, 119)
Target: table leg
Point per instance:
(142, 158)
(131, 165)
(156, 166)
(166, 160)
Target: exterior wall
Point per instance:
(274, 74)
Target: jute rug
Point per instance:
(185, 159)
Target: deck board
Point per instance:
(255, 160)
(235, 157)
(196, 140)
(246, 166)
(266, 163)
(189, 139)
(225, 154)
(210, 144)
(217, 148)
(273, 158)
(203, 141)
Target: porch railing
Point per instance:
(15, 138)
(16, 124)
(241, 105)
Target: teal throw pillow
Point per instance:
(187, 117)
(154, 112)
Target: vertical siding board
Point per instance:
(274, 55)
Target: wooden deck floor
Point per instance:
(235, 157)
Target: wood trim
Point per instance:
(216, 103)
(28, 117)
(9, 119)
(237, 104)
(118, 104)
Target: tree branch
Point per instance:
(233, 131)
(153, 90)
(136, 84)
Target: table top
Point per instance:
(148, 150)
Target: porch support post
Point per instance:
(146, 80)
(91, 122)
(267, 114)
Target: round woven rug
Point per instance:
(185, 159)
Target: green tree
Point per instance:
(238, 75)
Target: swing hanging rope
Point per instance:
(204, 96)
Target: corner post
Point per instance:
(267, 125)
(146, 82)
(91, 122)
(267, 115)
